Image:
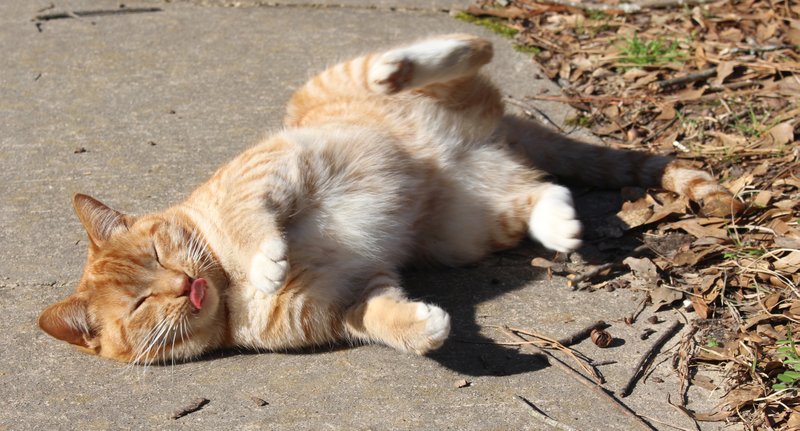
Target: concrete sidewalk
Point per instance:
(138, 109)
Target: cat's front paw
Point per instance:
(269, 266)
(433, 328)
(554, 222)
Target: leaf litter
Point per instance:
(716, 83)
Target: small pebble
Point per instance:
(258, 401)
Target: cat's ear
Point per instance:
(68, 320)
(100, 221)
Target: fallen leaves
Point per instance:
(718, 83)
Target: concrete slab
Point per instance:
(138, 109)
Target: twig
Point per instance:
(755, 49)
(598, 379)
(526, 109)
(662, 4)
(88, 13)
(666, 423)
(591, 99)
(581, 379)
(680, 361)
(624, 7)
(648, 356)
(685, 412)
(583, 334)
(541, 417)
(192, 407)
(685, 79)
(576, 279)
(635, 315)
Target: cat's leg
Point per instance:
(542, 210)
(605, 167)
(386, 316)
(430, 61)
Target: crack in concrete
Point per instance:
(24, 284)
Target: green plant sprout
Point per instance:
(791, 361)
(492, 24)
(657, 51)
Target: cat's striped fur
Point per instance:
(386, 159)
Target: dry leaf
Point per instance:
(643, 268)
(731, 35)
(693, 227)
(762, 198)
(764, 32)
(782, 133)
(667, 112)
(724, 69)
(662, 212)
(663, 295)
(635, 213)
(540, 262)
(789, 263)
(771, 301)
(691, 258)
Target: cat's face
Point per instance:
(150, 290)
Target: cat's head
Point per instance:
(150, 291)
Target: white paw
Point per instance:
(554, 222)
(437, 327)
(269, 266)
(391, 73)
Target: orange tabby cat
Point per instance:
(386, 159)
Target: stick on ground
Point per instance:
(580, 378)
(648, 356)
(541, 417)
(78, 14)
(192, 407)
(583, 334)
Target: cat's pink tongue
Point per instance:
(197, 293)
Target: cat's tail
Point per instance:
(606, 167)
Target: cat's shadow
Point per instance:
(460, 291)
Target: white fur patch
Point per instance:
(269, 266)
(418, 65)
(553, 220)
(437, 325)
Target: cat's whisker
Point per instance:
(140, 349)
(172, 347)
(149, 359)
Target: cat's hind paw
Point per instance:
(554, 222)
(436, 60)
(269, 266)
(391, 74)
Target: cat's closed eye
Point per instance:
(156, 256)
(139, 303)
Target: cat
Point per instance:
(385, 160)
